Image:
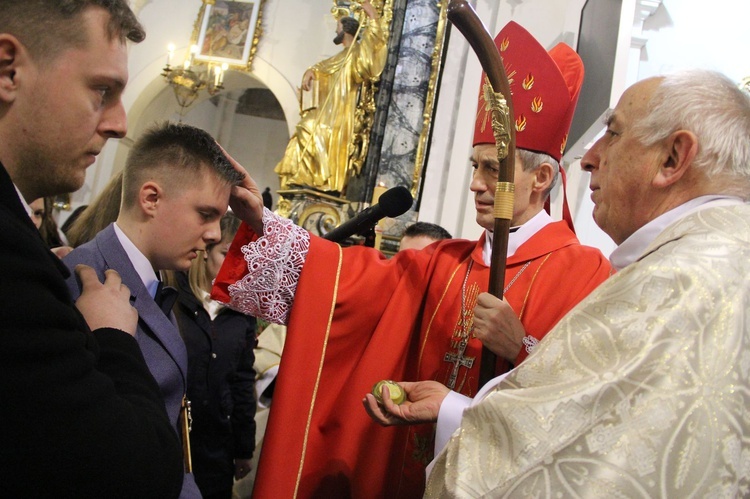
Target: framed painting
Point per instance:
(229, 31)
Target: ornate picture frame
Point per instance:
(228, 31)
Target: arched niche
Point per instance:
(252, 118)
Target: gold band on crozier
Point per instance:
(504, 197)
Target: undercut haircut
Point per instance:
(174, 155)
(433, 231)
(48, 27)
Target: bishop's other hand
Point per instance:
(497, 326)
(245, 200)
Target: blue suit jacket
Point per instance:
(157, 335)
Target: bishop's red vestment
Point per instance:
(358, 318)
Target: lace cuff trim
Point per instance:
(530, 343)
(274, 262)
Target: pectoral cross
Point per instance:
(463, 330)
(458, 360)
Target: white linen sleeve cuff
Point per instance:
(449, 418)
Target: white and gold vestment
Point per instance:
(642, 390)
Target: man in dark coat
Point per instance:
(81, 414)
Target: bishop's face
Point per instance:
(484, 179)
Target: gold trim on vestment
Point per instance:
(437, 307)
(320, 371)
(528, 291)
(410, 429)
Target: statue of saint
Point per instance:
(328, 143)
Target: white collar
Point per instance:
(634, 246)
(141, 264)
(23, 201)
(522, 234)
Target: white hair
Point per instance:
(532, 160)
(716, 110)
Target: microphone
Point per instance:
(392, 203)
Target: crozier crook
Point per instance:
(497, 91)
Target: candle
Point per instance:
(193, 51)
(170, 53)
(224, 67)
(217, 77)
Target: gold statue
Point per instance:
(330, 141)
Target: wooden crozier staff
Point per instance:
(497, 93)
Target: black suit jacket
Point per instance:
(221, 387)
(80, 414)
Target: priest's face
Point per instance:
(622, 168)
(486, 168)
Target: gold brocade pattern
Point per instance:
(643, 390)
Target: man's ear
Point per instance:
(543, 177)
(149, 198)
(679, 152)
(11, 52)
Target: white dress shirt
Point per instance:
(141, 264)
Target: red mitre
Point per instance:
(544, 88)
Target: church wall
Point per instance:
(664, 35)
(298, 33)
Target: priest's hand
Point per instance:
(245, 199)
(498, 327)
(423, 399)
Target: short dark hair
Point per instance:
(433, 231)
(180, 151)
(349, 25)
(47, 27)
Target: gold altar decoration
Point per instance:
(331, 140)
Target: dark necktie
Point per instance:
(165, 297)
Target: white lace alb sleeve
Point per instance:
(274, 262)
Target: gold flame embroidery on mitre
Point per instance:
(528, 82)
(520, 123)
(537, 104)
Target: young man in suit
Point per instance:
(81, 414)
(176, 187)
